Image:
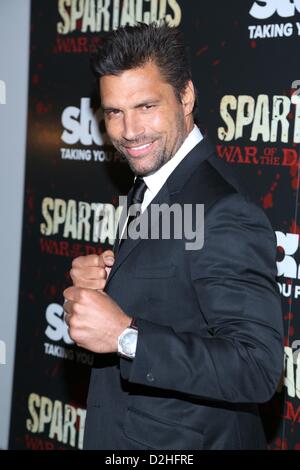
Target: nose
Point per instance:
(132, 126)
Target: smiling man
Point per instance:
(147, 122)
(187, 342)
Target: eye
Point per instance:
(148, 106)
(112, 112)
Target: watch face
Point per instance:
(129, 342)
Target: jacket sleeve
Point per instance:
(233, 277)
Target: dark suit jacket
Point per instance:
(210, 343)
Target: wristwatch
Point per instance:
(127, 342)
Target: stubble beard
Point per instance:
(162, 158)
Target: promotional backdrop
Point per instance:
(245, 65)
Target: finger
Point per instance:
(67, 307)
(71, 293)
(67, 312)
(74, 309)
(87, 261)
(90, 283)
(92, 273)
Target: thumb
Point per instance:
(108, 257)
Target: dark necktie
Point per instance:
(138, 191)
(137, 197)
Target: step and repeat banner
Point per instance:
(245, 61)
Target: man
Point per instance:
(204, 343)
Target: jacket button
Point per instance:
(150, 377)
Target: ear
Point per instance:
(188, 98)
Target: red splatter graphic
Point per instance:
(295, 183)
(281, 444)
(294, 228)
(294, 169)
(274, 185)
(201, 50)
(267, 201)
(288, 316)
(253, 44)
(53, 291)
(41, 108)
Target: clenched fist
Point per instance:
(95, 321)
(92, 271)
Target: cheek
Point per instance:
(113, 128)
(161, 123)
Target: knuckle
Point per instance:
(73, 323)
(74, 334)
(76, 309)
(101, 284)
(100, 273)
(93, 260)
(81, 295)
(77, 261)
(73, 274)
(101, 261)
(66, 293)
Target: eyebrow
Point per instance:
(146, 102)
(138, 105)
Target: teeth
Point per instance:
(141, 147)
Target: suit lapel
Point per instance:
(128, 245)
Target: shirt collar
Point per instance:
(158, 178)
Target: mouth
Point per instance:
(139, 150)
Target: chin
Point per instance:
(141, 170)
(144, 171)
(145, 166)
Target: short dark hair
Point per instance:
(131, 47)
